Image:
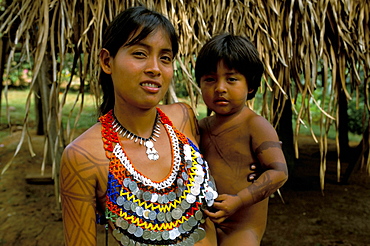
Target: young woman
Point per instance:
(139, 165)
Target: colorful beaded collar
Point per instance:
(159, 213)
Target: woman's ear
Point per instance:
(105, 61)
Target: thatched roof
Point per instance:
(301, 42)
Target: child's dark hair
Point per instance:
(237, 52)
(121, 32)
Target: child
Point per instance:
(235, 140)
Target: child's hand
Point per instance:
(257, 171)
(225, 206)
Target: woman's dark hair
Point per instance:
(237, 52)
(121, 32)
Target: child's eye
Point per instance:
(139, 54)
(208, 79)
(232, 79)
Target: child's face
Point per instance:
(225, 91)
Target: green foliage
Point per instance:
(357, 119)
(180, 82)
(19, 75)
(201, 110)
(2, 5)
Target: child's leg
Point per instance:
(238, 238)
(210, 238)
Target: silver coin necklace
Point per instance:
(151, 152)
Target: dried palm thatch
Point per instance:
(301, 42)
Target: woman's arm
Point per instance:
(77, 189)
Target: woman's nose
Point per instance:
(152, 68)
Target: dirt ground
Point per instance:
(30, 216)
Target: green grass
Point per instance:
(16, 104)
(201, 111)
(89, 114)
(331, 134)
(16, 108)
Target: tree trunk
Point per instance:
(42, 94)
(39, 118)
(42, 99)
(47, 105)
(359, 156)
(3, 52)
(285, 133)
(343, 123)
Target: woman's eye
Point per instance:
(166, 58)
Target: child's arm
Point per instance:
(267, 148)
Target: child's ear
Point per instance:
(105, 61)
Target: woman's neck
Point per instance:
(139, 122)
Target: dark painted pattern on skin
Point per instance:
(187, 112)
(264, 186)
(84, 194)
(183, 123)
(266, 145)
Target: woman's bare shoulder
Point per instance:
(88, 145)
(178, 113)
(183, 118)
(176, 110)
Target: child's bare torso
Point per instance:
(228, 150)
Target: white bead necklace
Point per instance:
(151, 152)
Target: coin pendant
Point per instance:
(152, 215)
(165, 235)
(190, 198)
(161, 216)
(198, 215)
(131, 229)
(120, 200)
(147, 196)
(139, 232)
(176, 213)
(154, 197)
(125, 240)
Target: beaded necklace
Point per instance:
(160, 213)
(151, 152)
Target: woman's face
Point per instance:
(141, 72)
